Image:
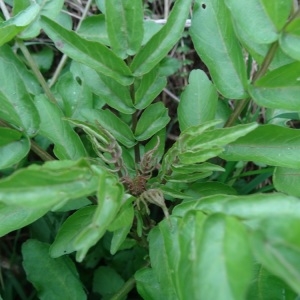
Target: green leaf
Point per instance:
(92, 54)
(199, 148)
(256, 206)
(260, 20)
(13, 147)
(276, 246)
(67, 144)
(124, 21)
(53, 183)
(48, 8)
(75, 96)
(113, 93)
(63, 243)
(147, 284)
(279, 88)
(114, 125)
(261, 146)
(198, 103)
(44, 58)
(110, 194)
(215, 41)
(290, 39)
(154, 118)
(94, 28)
(64, 282)
(163, 41)
(213, 249)
(14, 217)
(287, 180)
(17, 105)
(10, 28)
(150, 87)
(266, 286)
(106, 281)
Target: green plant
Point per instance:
(92, 193)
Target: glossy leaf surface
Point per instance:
(163, 41)
(198, 102)
(92, 54)
(268, 144)
(279, 88)
(124, 21)
(64, 282)
(215, 41)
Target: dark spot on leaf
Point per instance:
(78, 79)
(203, 5)
(59, 44)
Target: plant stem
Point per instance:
(36, 70)
(125, 289)
(264, 67)
(65, 57)
(4, 10)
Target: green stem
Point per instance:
(36, 70)
(243, 103)
(125, 289)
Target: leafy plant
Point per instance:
(92, 193)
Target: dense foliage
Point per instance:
(108, 190)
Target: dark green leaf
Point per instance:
(53, 278)
(154, 118)
(150, 87)
(51, 184)
(215, 41)
(106, 281)
(113, 93)
(287, 181)
(279, 88)
(163, 41)
(92, 54)
(260, 20)
(198, 103)
(124, 21)
(10, 28)
(261, 145)
(67, 144)
(13, 147)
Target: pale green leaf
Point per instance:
(287, 180)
